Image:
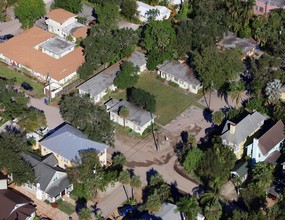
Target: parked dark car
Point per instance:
(126, 209)
(6, 37)
(27, 86)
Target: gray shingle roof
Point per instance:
(137, 58)
(58, 187)
(68, 141)
(179, 70)
(231, 41)
(136, 114)
(245, 128)
(43, 171)
(167, 212)
(101, 81)
(241, 168)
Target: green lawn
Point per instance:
(65, 207)
(170, 102)
(20, 78)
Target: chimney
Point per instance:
(232, 128)
(3, 181)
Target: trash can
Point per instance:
(45, 101)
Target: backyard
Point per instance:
(20, 78)
(170, 101)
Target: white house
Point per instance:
(138, 59)
(51, 181)
(64, 23)
(143, 10)
(99, 85)
(267, 146)
(181, 74)
(137, 120)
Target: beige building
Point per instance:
(66, 142)
(234, 135)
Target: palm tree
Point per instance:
(237, 90)
(212, 199)
(124, 112)
(272, 90)
(125, 179)
(135, 183)
(189, 206)
(152, 13)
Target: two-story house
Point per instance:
(66, 142)
(235, 135)
(267, 146)
(14, 205)
(51, 182)
(181, 74)
(64, 24)
(265, 6)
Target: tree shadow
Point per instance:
(207, 114)
(175, 193)
(223, 92)
(149, 174)
(184, 136)
(95, 209)
(81, 203)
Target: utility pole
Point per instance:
(48, 78)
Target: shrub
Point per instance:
(173, 84)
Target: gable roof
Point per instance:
(273, 157)
(231, 41)
(241, 168)
(9, 199)
(19, 46)
(245, 128)
(179, 70)
(136, 115)
(137, 58)
(44, 171)
(100, 82)
(68, 141)
(60, 15)
(272, 137)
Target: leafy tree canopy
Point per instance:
(127, 77)
(13, 144)
(141, 98)
(73, 6)
(91, 119)
(28, 11)
(159, 40)
(129, 8)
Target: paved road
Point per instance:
(11, 27)
(51, 112)
(113, 199)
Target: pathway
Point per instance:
(51, 112)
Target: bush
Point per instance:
(54, 205)
(65, 207)
(47, 202)
(173, 84)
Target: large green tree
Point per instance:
(73, 6)
(127, 77)
(13, 143)
(28, 11)
(159, 40)
(91, 119)
(129, 8)
(216, 163)
(141, 98)
(192, 159)
(108, 15)
(189, 206)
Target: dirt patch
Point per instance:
(194, 130)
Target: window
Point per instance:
(259, 155)
(175, 79)
(256, 8)
(30, 185)
(194, 87)
(55, 178)
(261, 9)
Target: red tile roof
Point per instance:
(60, 15)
